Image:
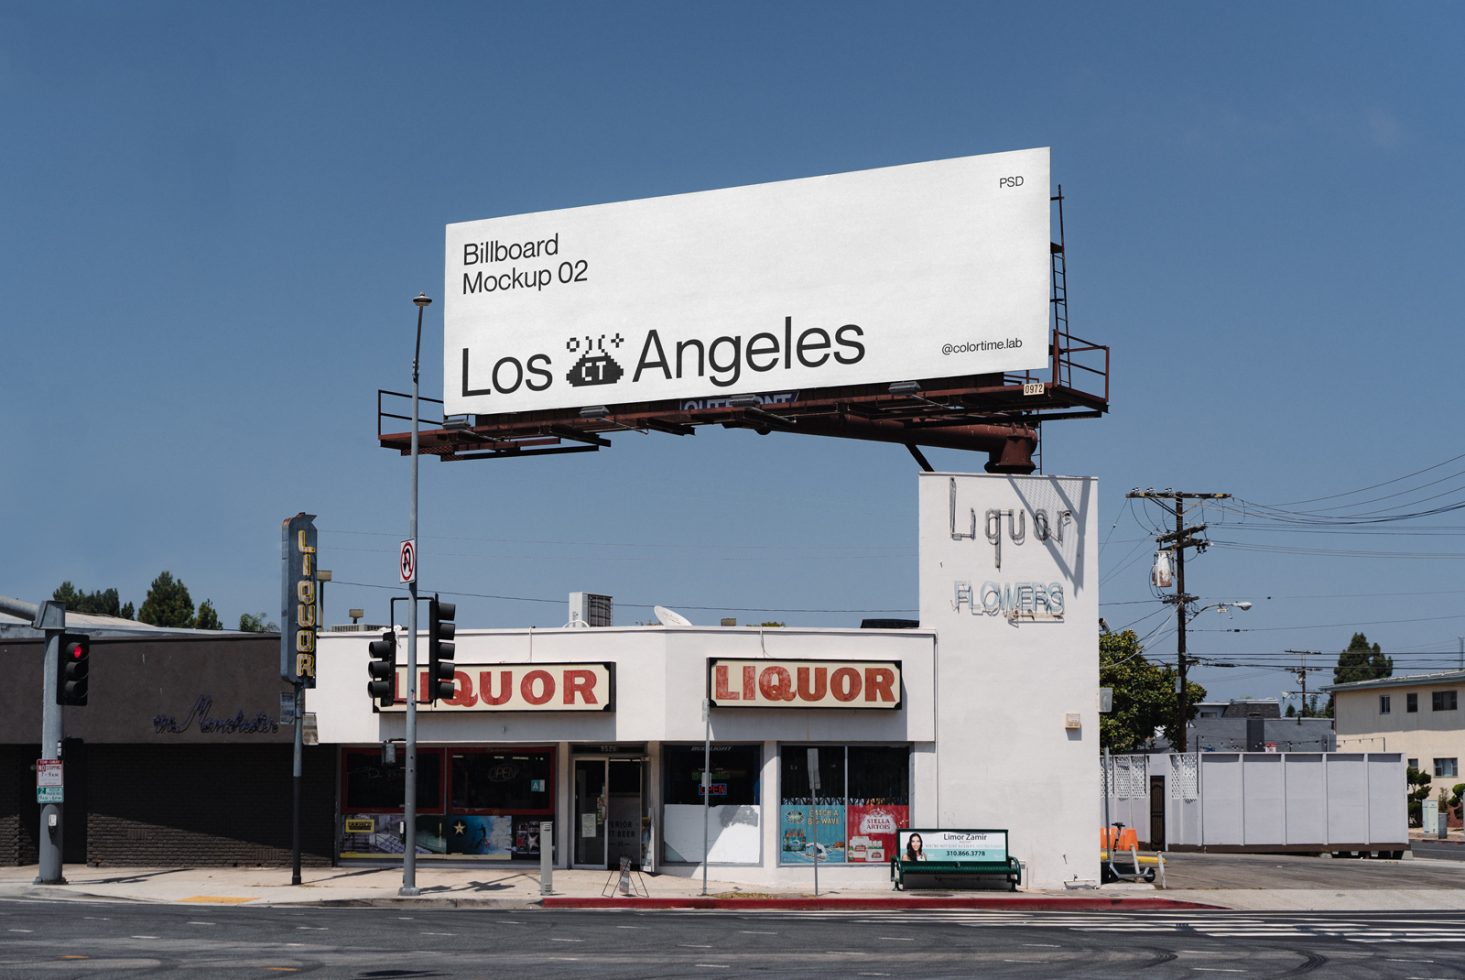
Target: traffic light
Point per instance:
(440, 672)
(383, 669)
(72, 668)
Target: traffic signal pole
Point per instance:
(49, 840)
(51, 618)
(409, 805)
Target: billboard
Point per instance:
(920, 271)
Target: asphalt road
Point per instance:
(1190, 870)
(65, 939)
(1446, 850)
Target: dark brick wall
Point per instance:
(19, 816)
(206, 805)
(169, 806)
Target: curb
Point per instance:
(430, 902)
(883, 904)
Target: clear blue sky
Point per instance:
(215, 216)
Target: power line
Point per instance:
(1374, 486)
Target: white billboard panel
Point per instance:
(898, 274)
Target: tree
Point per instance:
(168, 603)
(208, 617)
(1144, 694)
(1360, 662)
(68, 596)
(1418, 791)
(101, 603)
(249, 623)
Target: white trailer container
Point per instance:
(1316, 802)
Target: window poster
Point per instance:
(526, 837)
(799, 841)
(871, 832)
(491, 837)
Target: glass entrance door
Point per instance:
(607, 812)
(623, 819)
(590, 812)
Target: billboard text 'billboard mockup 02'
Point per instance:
(920, 271)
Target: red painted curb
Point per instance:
(1045, 904)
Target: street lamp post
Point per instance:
(1182, 617)
(409, 804)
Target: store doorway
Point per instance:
(608, 794)
(1157, 813)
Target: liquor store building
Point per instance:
(602, 731)
(823, 742)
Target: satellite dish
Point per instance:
(669, 617)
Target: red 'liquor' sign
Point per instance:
(522, 687)
(803, 683)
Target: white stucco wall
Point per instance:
(1004, 757)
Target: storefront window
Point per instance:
(370, 785)
(520, 781)
(735, 772)
(495, 801)
(733, 816)
(861, 800)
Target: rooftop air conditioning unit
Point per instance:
(589, 609)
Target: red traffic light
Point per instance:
(72, 668)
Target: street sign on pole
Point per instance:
(814, 811)
(50, 781)
(407, 564)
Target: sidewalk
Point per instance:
(495, 888)
(1251, 882)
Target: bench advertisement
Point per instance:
(847, 834)
(953, 845)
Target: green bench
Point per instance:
(953, 853)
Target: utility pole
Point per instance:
(1301, 672)
(1183, 537)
